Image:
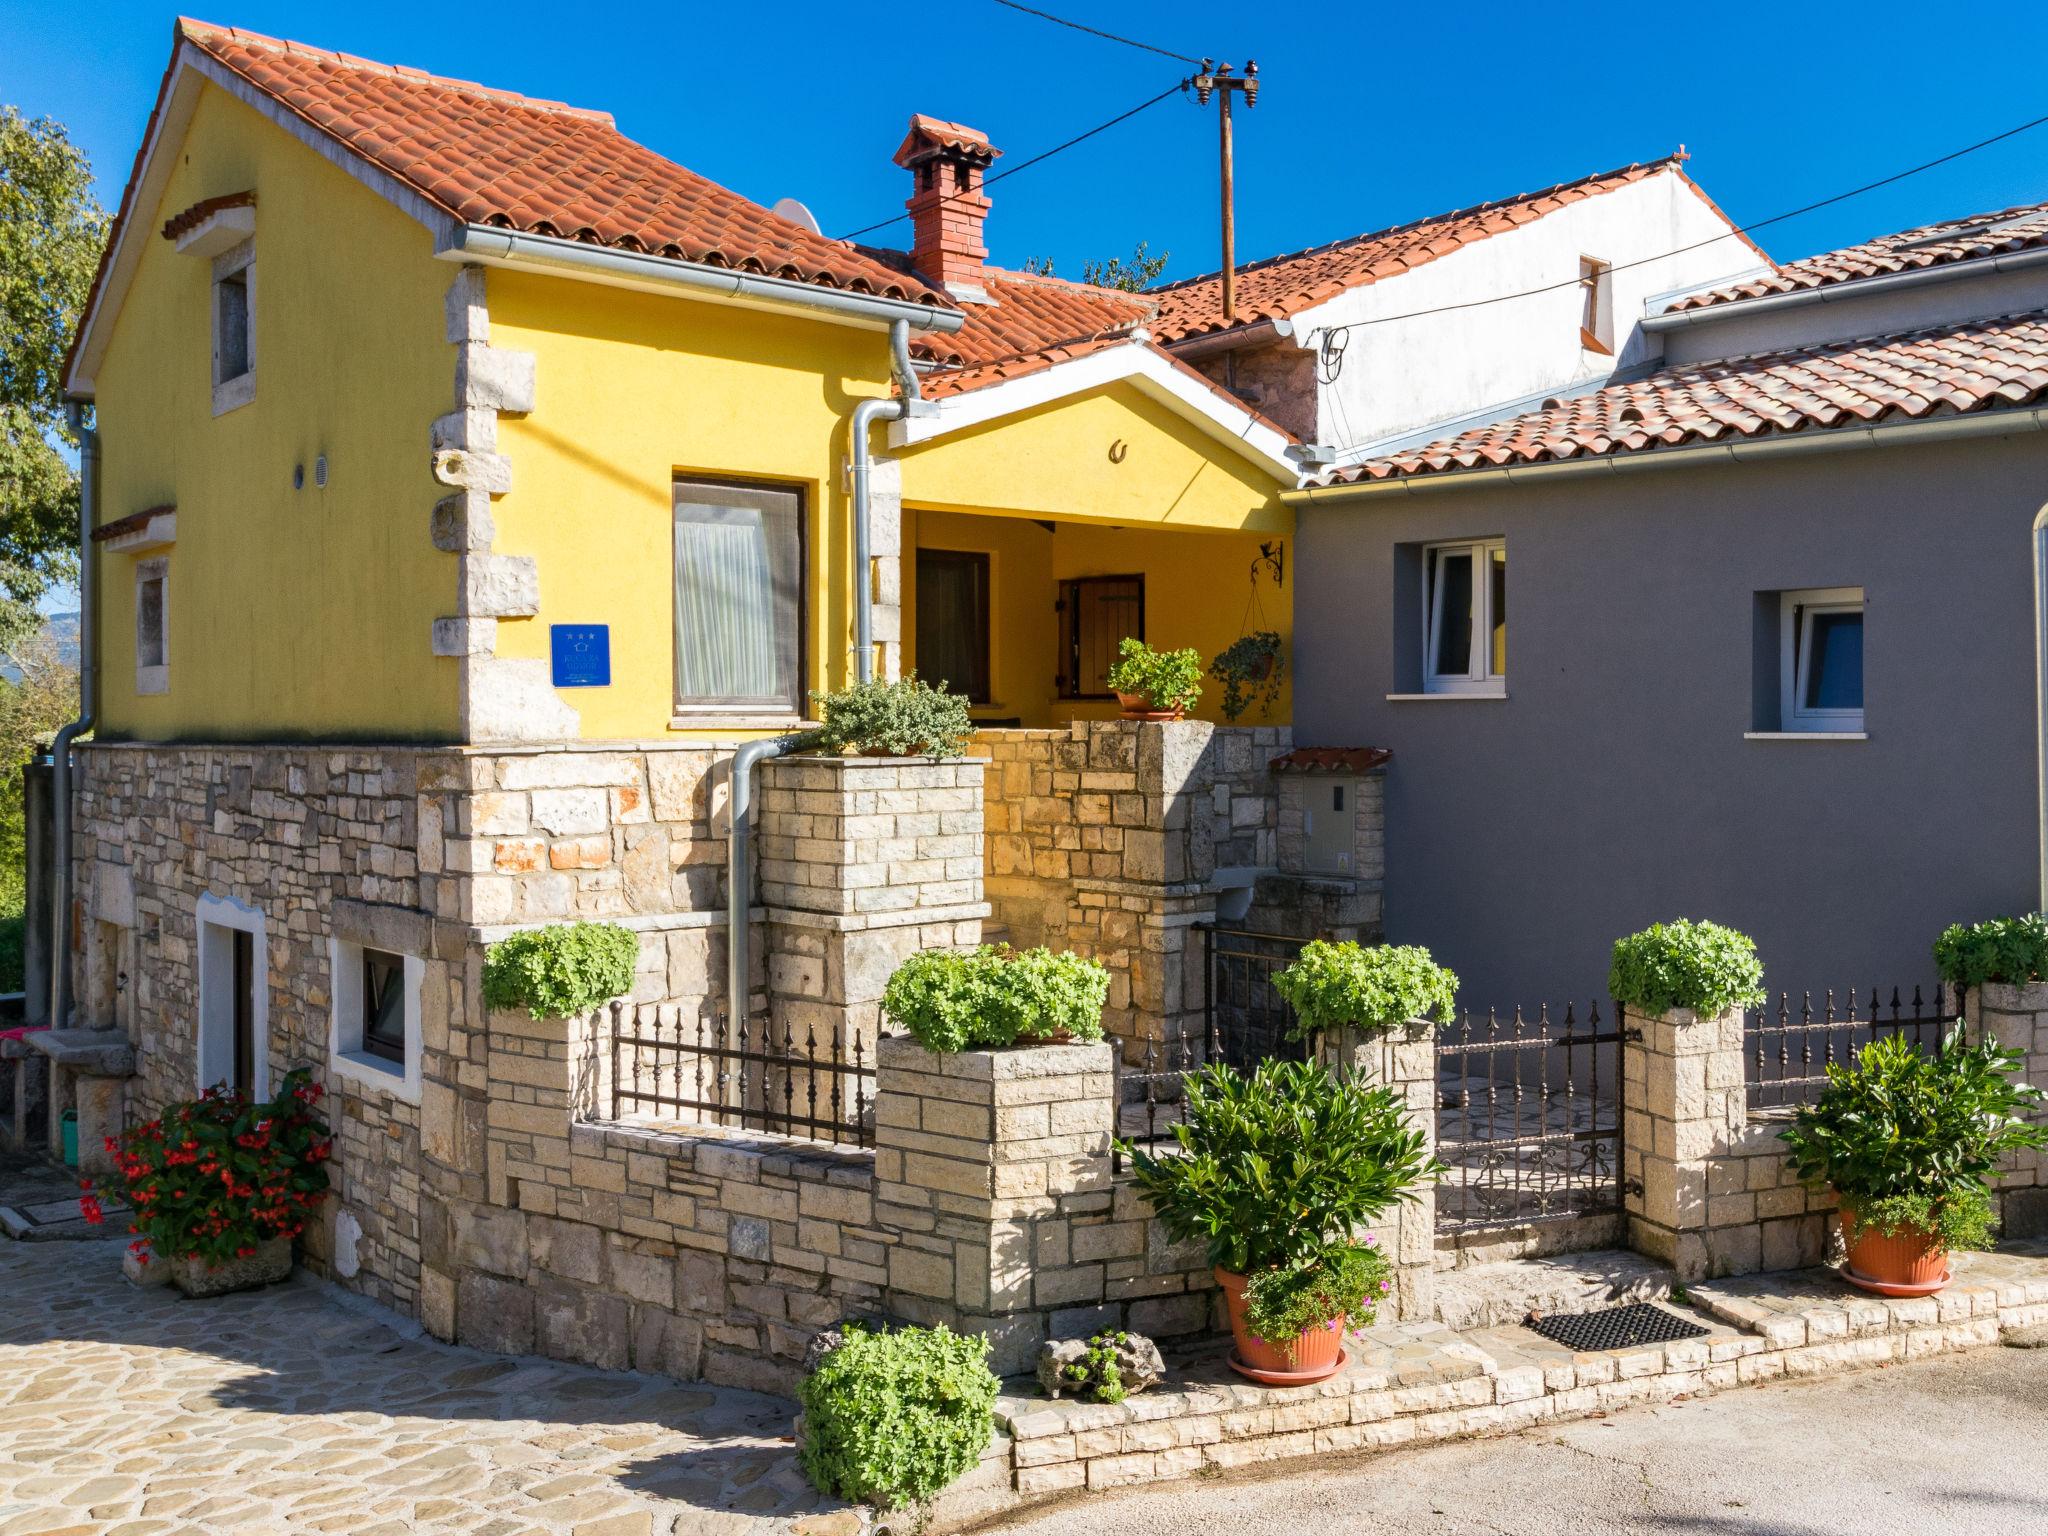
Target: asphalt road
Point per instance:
(1955, 1444)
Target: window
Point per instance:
(1465, 617)
(952, 621)
(1097, 613)
(234, 327)
(152, 626)
(1820, 666)
(234, 996)
(739, 599)
(1596, 305)
(374, 1032)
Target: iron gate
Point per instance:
(1529, 1118)
(1246, 1018)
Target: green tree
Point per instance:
(32, 706)
(51, 234)
(1131, 275)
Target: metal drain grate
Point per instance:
(1615, 1328)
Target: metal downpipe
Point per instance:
(739, 876)
(2041, 702)
(865, 415)
(60, 749)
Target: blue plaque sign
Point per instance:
(582, 655)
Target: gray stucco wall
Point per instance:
(1614, 786)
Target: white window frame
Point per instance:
(1796, 613)
(153, 678)
(345, 1054)
(231, 394)
(1481, 678)
(215, 917)
(1596, 283)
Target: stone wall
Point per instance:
(2017, 1018)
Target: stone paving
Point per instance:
(127, 1412)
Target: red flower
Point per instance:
(89, 1208)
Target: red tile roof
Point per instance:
(1330, 760)
(1030, 313)
(928, 133)
(204, 209)
(1931, 245)
(495, 157)
(1277, 287)
(1979, 366)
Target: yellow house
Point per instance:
(433, 413)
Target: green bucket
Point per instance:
(70, 1138)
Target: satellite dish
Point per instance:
(789, 208)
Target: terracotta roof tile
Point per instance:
(1279, 286)
(1932, 245)
(1979, 366)
(495, 157)
(204, 209)
(1330, 760)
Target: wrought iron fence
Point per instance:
(1529, 1118)
(670, 1060)
(1789, 1046)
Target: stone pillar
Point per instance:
(2017, 1018)
(1402, 1058)
(1684, 1106)
(984, 1163)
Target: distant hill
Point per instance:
(60, 627)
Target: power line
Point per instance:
(1025, 165)
(1128, 42)
(1743, 229)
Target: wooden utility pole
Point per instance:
(1219, 79)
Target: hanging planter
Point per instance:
(1250, 670)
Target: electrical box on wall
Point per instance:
(1330, 814)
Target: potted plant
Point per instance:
(219, 1186)
(1359, 987)
(1275, 1170)
(992, 996)
(1249, 668)
(560, 971)
(904, 718)
(2004, 951)
(1701, 966)
(1155, 685)
(1908, 1142)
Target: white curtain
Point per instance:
(727, 647)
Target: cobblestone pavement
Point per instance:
(127, 1412)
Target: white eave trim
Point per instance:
(222, 230)
(1147, 370)
(488, 245)
(189, 68)
(160, 532)
(1997, 422)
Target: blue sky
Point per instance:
(1367, 117)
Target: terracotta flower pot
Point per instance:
(1136, 706)
(1312, 1355)
(1909, 1262)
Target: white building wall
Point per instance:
(1403, 374)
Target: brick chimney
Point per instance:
(947, 206)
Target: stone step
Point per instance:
(1489, 1295)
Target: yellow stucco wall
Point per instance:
(301, 613)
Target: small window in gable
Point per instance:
(1596, 305)
(152, 626)
(234, 327)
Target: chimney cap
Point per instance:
(929, 136)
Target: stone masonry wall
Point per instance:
(2017, 1018)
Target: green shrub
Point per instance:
(1249, 668)
(1701, 966)
(1911, 1139)
(1332, 986)
(891, 1418)
(906, 718)
(961, 1000)
(1166, 680)
(1278, 1165)
(1348, 1280)
(562, 970)
(2005, 949)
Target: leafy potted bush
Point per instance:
(891, 1417)
(1249, 668)
(992, 996)
(1698, 966)
(905, 718)
(1275, 1170)
(1155, 685)
(562, 970)
(1908, 1142)
(2009, 951)
(219, 1186)
(1354, 986)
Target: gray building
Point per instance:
(1749, 635)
